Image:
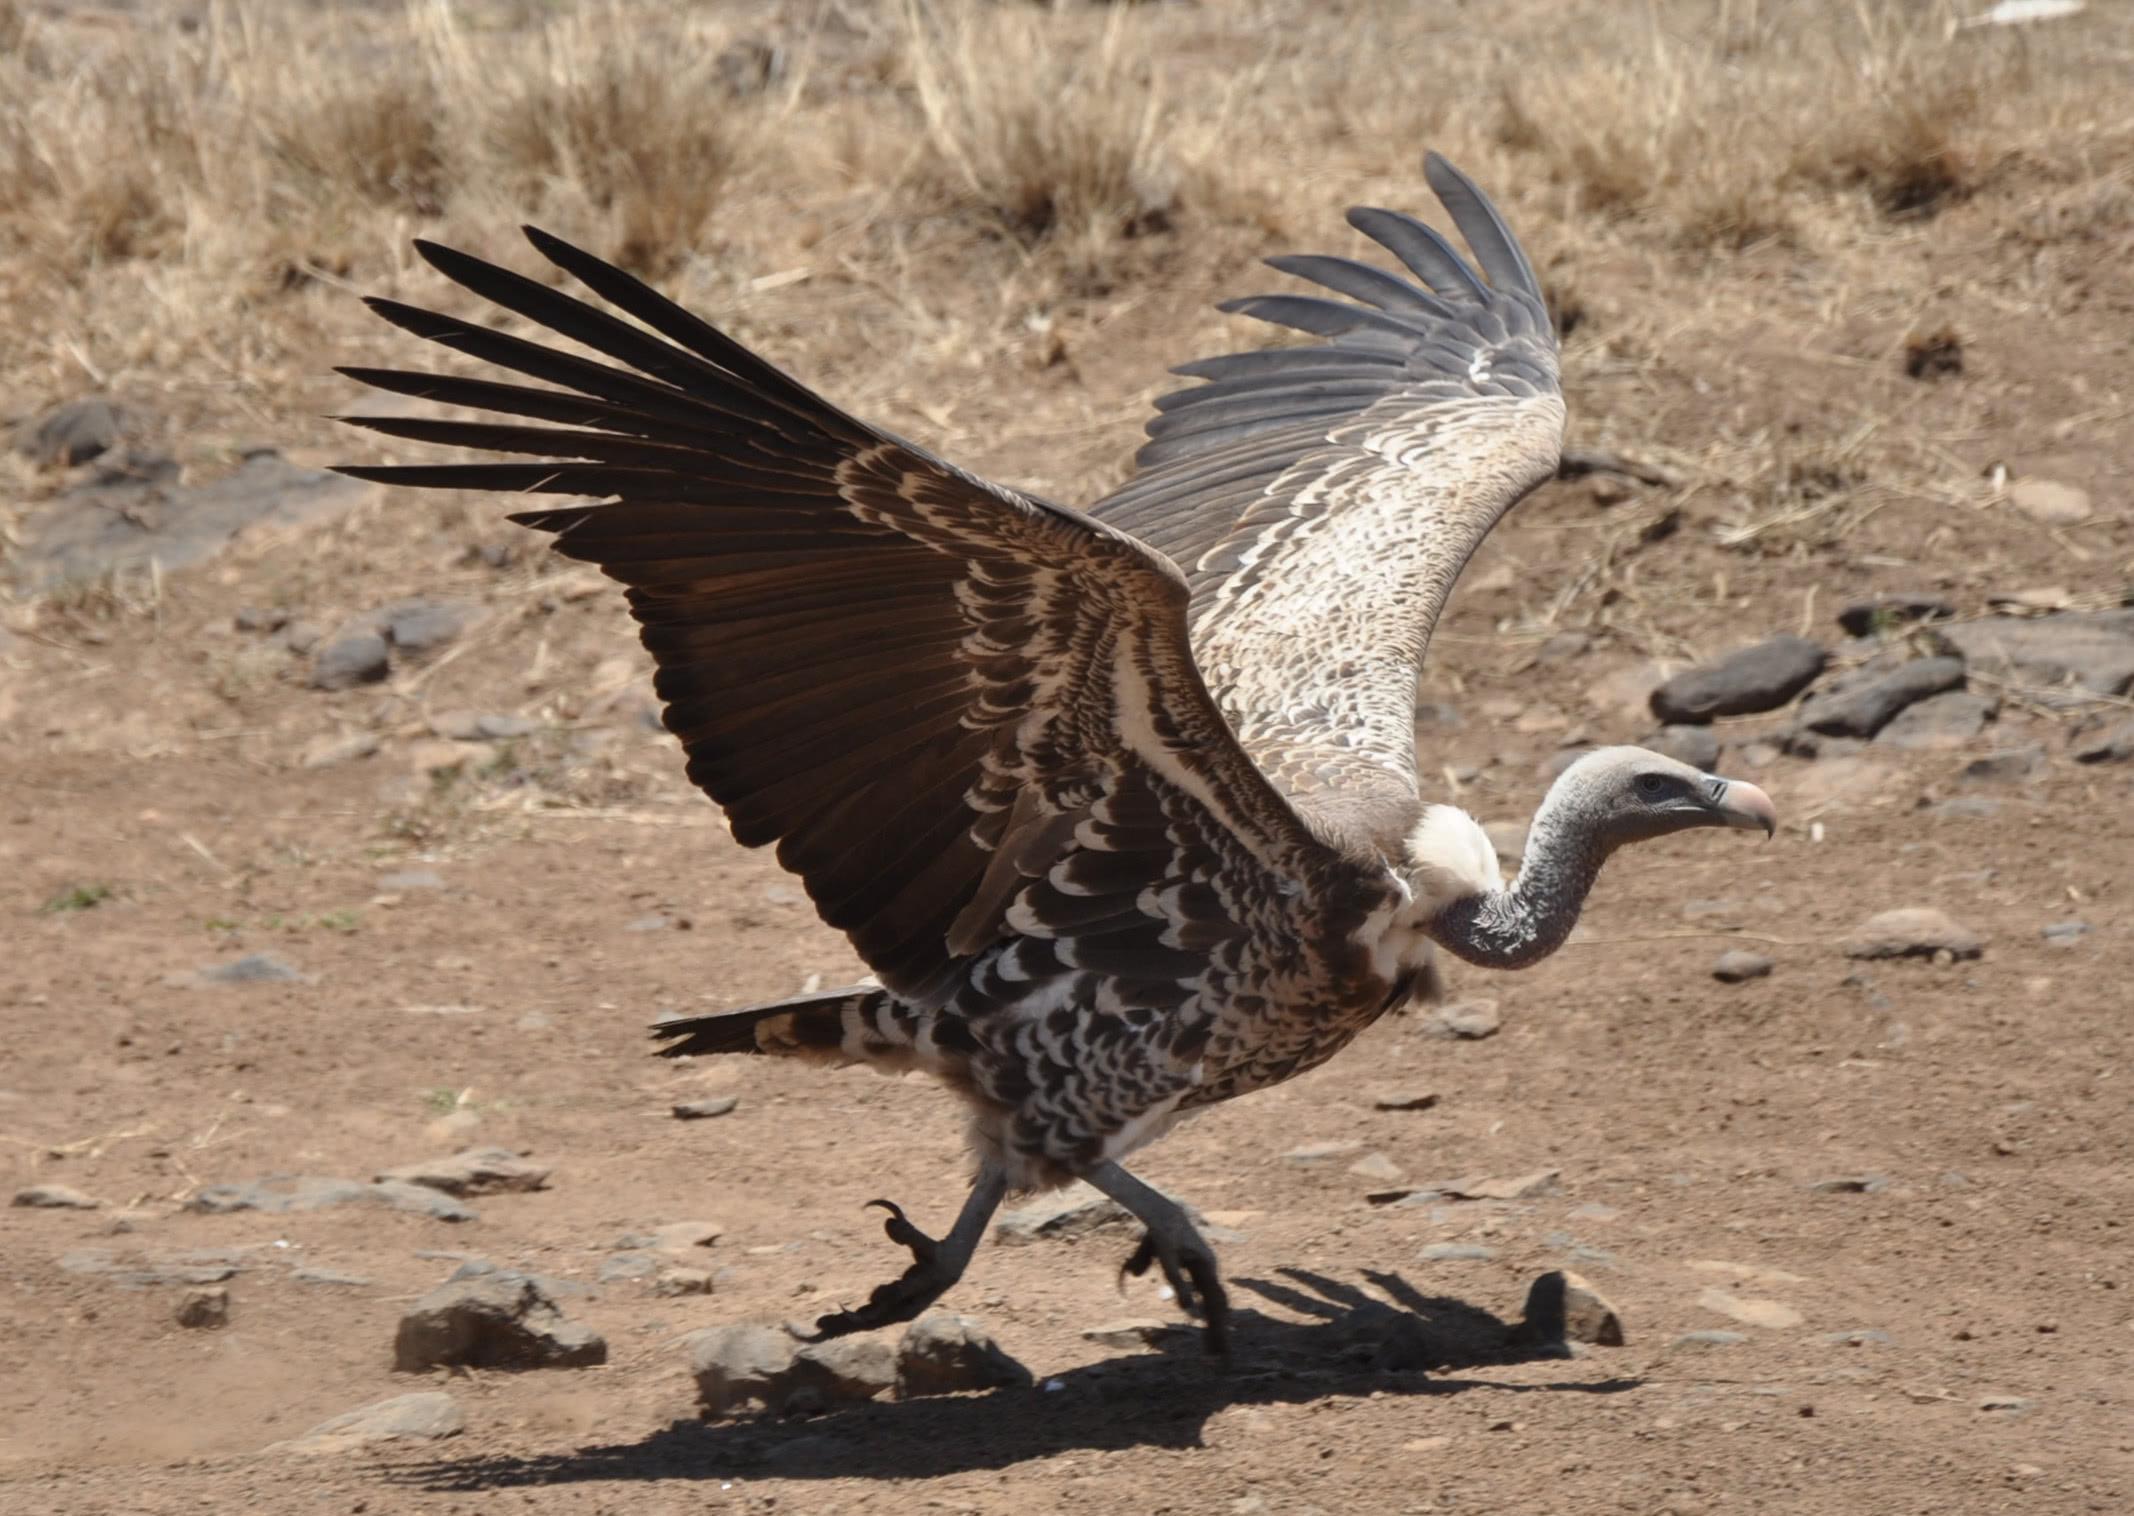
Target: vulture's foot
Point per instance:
(1173, 1242)
(936, 1265)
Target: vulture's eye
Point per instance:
(1652, 786)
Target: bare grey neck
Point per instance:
(1509, 929)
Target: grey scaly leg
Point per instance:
(1172, 1241)
(935, 1265)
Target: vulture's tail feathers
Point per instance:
(861, 1023)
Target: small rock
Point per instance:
(2058, 933)
(1320, 1152)
(1565, 1307)
(327, 751)
(943, 1353)
(680, 1281)
(423, 626)
(1851, 1184)
(410, 879)
(1758, 678)
(1859, 1337)
(1861, 703)
(1465, 1020)
(73, 433)
(497, 1321)
(1070, 1212)
(1966, 808)
(1736, 966)
(207, 1306)
(1697, 746)
(319, 1274)
(302, 637)
(433, 757)
(193, 1266)
(254, 619)
(842, 1371)
(703, 1110)
(423, 1417)
(350, 660)
(674, 1237)
(477, 1171)
(1952, 719)
(739, 1364)
(1134, 1332)
(620, 1266)
(252, 968)
(2104, 744)
(1404, 1100)
(1456, 1252)
(1882, 613)
(474, 726)
(277, 1194)
(1751, 1310)
(55, 1197)
(1376, 1166)
(1518, 1187)
(2010, 765)
(2007, 1405)
(2050, 502)
(1711, 1337)
(1912, 932)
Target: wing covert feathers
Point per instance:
(931, 694)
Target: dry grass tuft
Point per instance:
(1061, 144)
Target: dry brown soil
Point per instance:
(1956, 1337)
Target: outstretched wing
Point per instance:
(928, 691)
(1322, 499)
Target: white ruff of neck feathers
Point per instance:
(1449, 858)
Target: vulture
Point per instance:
(1120, 807)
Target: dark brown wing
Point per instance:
(915, 683)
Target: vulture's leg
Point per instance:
(1172, 1241)
(935, 1265)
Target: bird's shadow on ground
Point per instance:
(1351, 1343)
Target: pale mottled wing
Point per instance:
(1322, 499)
(918, 685)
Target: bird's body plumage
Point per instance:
(1121, 808)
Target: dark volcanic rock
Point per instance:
(125, 521)
(943, 1353)
(1861, 703)
(1758, 678)
(2090, 652)
(497, 1321)
(1697, 746)
(1864, 618)
(1951, 719)
(2009, 765)
(358, 657)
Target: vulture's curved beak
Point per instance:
(1737, 802)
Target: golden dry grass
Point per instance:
(896, 197)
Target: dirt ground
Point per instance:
(1950, 1331)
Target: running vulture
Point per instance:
(1120, 806)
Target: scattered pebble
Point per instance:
(1852, 1184)
(1697, 746)
(1518, 1187)
(2007, 1405)
(943, 1353)
(1320, 1152)
(279, 1193)
(411, 879)
(1940, 723)
(252, 968)
(1711, 1337)
(1751, 1310)
(495, 1321)
(675, 1280)
(1404, 1100)
(206, 1306)
(140, 1272)
(329, 750)
(1456, 1252)
(1861, 703)
(1879, 613)
(1077, 1209)
(1133, 1332)
(2010, 765)
(2058, 933)
(1465, 1020)
(740, 1364)
(632, 1265)
(73, 432)
(2104, 744)
(423, 1417)
(1758, 678)
(1912, 932)
(356, 658)
(703, 1110)
(2050, 502)
(1858, 1337)
(55, 1197)
(477, 1171)
(1376, 1166)
(1737, 965)
(319, 1274)
(1564, 1307)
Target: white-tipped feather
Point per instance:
(1449, 858)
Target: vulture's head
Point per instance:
(1630, 794)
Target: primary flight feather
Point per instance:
(1121, 808)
